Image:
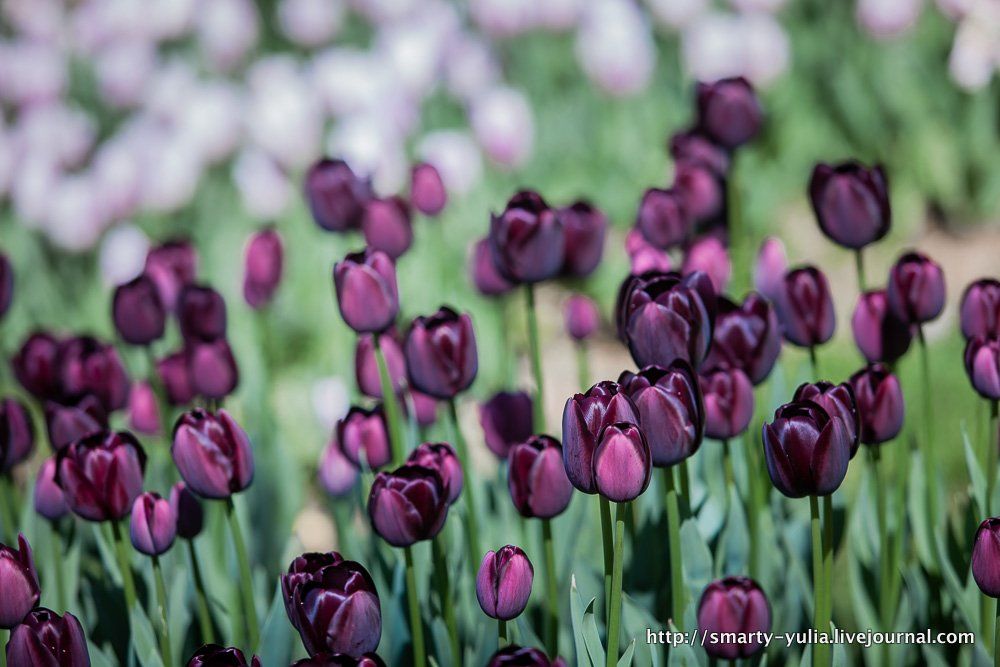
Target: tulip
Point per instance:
(172, 266)
(364, 437)
(45, 639)
(212, 453)
(709, 256)
(137, 311)
(585, 417)
(36, 365)
(19, 583)
(851, 203)
(807, 450)
(187, 510)
(527, 240)
(581, 317)
(17, 434)
(336, 195)
(340, 660)
(537, 479)
(366, 290)
(143, 409)
(175, 377)
(440, 456)
(101, 475)
(201, 313)
(424, 408)
(484, 273)
(986, 557)
(915, 292)
(213, 655)
(701, 189)
(805, 307)
(671, 410)
(212, 368)
(440, 351)
(747, 337)
(366, 365)
(838, 401)
(6, 284)
(49, 499)
(427, 192)
(408, 505)
(728, 403)
(729, 111)
(387, 226)
(262, 262)
(662, 218)
(738, 606)
(696, 147)
(980, 310)
(878, 333)
(336, 472)
(503, 584)
(622, 463)
(645, 257)
(507, 419)
(982, 364)
(770, 269)
(585, 228)
(153, 525)
(92, 367)
(514, 655)
(880, 403)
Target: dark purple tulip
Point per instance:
(805, 307)
(72, 421)
(729, 111)
(701, 189)
(213, 655)
(851, 203)
(101, 475)
(137, 311)
(662, 218)
(366, 290)
(336, 472)
(916, 288)
(336, 195)
(503, 584)
(585, 417)
(387, 226)
(839, 401)
(153, 524)
(484, 273)
(735, 605)
(17, 434)
(6, 284)
(441, 457)
(622, 462)
(671, 410)
(366, 365)
(728, 403)
(441, 356)
(770, 268)
(212, 368)
(709, 255)
(581, 316)
(986, 558)
(263, 261)
(364, 437)
(340, 660)
(408, 505)
(517, 656)
(807, 450)
(878, 333)
(880, 403)
(585, 228)
(143, 409)
(982, 364)
(172, 266)
(427, 191)
(537, 478)
(213, 453)
(19, 583)
(424, 408)
(188, 511)
(507, 419)
(49, 499)
(36, 365)
(176, 378)
(46, 639)
(694, 146)
(201, 313)
(747, 337)
(91, 367)
(643, 256)
(980, 311)
(527, 240)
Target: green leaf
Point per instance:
(682, 655)
(276, 633)
(591, 635)
(144, 639)
(98, 657)
(626, 659)
(576, 608)
(864, 610)
(178, 610)
(976, 477)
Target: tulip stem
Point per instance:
(859, 265)
(447, 605)
(885, 568)
(987, 613)
(996, 640)
(607, 540)
(674, 544)
(391, 405)
(614, 622)
(813, 363)
(161, 604)
(552, 636)
(246, 580)
(58, 556)
(828, 557)
(4, 638)
(930, 466)
(471, 520)
(416, 626)
(124, 564)
(752, 505)
(685, 491)
(820, 623)
(991, 459)
(582, 366)
(502, 637)
(536, 358)
(204, 617)
(9, 533)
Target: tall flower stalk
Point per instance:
(615, 605)
(674, 546)
(246, 579)
(397, 440)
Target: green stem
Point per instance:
(9, 533)
(828, 557)
(727, 476)
(987, 614)
(685, 492)
(447, 605)
(503, 639)
(813, 363)
(735, 231)
(674, 544)
(819, 578)
(752, 505)
(161, 605)
(991, 459)
(996, 640)
(391, 405)
(930, 465)
(582, 366)
(4, 637)
(246, 580)
(614, 620)
(885, 571)
(859, 266)
(469, 490)
(551, 580)
(416, 625)
(607, 540)
(58, 556)
(201, 598)
(536, 358)
(125, 565)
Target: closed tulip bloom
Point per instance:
(212, 368)
(336, 195)
(585, 227)
(585, 417)
(36, 365)
(364, 437)
(880, 403)
(878, 333)
(980, 310)
(427, 191)
(982, 364)
(702, 191)
(366, 369)
(851, 203)
(387, 225)
(537, 478)
(46, 639)
(729, 111)
(340, 660)
(19, 583)
(662, 219)
(484, 273)
(365, 283)
(695, 146)
(143, 409)
(408, 505)
(425, 408)
(807, 450)
(507, 418)
(89, 366)
(176, 378)
(66, 422)
(728, 403)
(986, 557)
(916, 288)
(671, 410)
(440, 456)
(6, 284)
(137, 311)
(188, 511)
(201, 313)
(518, 656)
(746, 336)
(503, 584)
(263, 261)
(336, 472)
(645, 257)
(153, 524)
(213, 655)
(709, 256)
(581, 316)
(17, 434)
(770, 269)
(441, 356)
(101, 475)
(172, 266)
(735, 605)
(212, 453)
(49, 499)
(527, 240)
(805, 307)
(839, 401)
(622, 462)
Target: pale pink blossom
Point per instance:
(264, 187)
(615, 46)
(122, 254)
(886, 19)
(227, 31)
(311, 23)
(504, 126)
(455, 155)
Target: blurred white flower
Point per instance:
(311, 23)
(227, 31)
(388, 11)
(210, 120)
(264, 187)
(169, 89)
(975, 55)
(885, 19)
(456, 157)
(170, 172)
(712, 47)
(504, 18)
(122, 254)
(373, 148)
(6, 160)
(559, 14)
(31, 72)
(123, 70)
(37, 19)
(169, 19)
(470, 67)
(768, 6)
(31, 185)
(955, 9)
(676, 13)
(283, 116)
(53, 131)
(73, 219)
(767, 51)
(414, 52)
(99, 23)
(615, 46)
(117, 176)
(331, 401)
(502, 121)
(349, 80)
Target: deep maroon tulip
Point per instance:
(671, 410)
(982, 364)
(336, 195)
(424, 408)
(694, 146)
(366, 290)
(19, 583)
(49, 499)
(441, 457)
(709, 256)
(662, 218)
(728, 403)
(143, 409)
(175, 378)
(46, 639)
(507, 419)
(581, 316)
(387, 225)
(537, 478)
(17, 434)
(645, 257)
(6, 284)
(137, 311)
(585, 417)
(880, 403)
(88, 366)
(340, 660)
(701, 189)
(201, 313)
(262, 266)
(735, 605)
(807, 450)
(36, 365)
(427, 191)
(747, 337)
(484, 273)
(188, 511)
(839, 401)
(336, 472)
(770, 269)
(363, 435)
(916, 288)
(980, 310)
(212, 368)
(729, 111)
(172, 266)
(213, 655)
(851, 203)
(408, 505)
(441, 356)
(503, 584)
(527, 240)
(101, 475)
(72, 421)
(805, 307)
(213, 453)
(366, 369)
(153, 524)
(517, 656)
(585, 228)
(986, 557)
(622, 462)
(878, 333)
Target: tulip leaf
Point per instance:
(917, 505)
(276, 633)
(976, 476)
(636, 619)
(591, 635)
(99, 657)
(626, 659)
(178, 609)
(576, 607)
(954, 585)
(144, 639)
(865, 612)
(682, 655)
(107, 552)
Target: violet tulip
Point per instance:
(527, 240)
(851, 203)
(263, 260)
(212, 368)
(137, 311)
(336, 196)
(662, 219)
(50, 502)
(622, 464)
(363, 435)
(671, 410)
(201, 313)
(805, 307)
(585, 417)
(175, 376)
(484, 273)
(187, 510)
(807, 450)
(212, 453)
(878, 333)
(143, 409)
(537, 478)
(982, 364)
(101, 475)
(366, 369)
(839, 401)
(336, 472)
(153, 524)
(585, 227)
(770, 268)
(503, 584)
(387, 225)
(72, 421)
(980, 310)
(581, 317)
(738, 607)
(695, 146)
(746, 336)
(424, 408)
(441, 356)
(340, 660)
(6, 284)
(507, 419)
(172, 266)
(880, 403)
(729, 111)
(46, 639)
(17, 434)
(729, 403)
(518, 656)
(709, 256)
(440, 456)
(36, 365)
(367, 296)
(213, 655)
(88, 366)
(427, 191)
(408, 505)
(986, 557)
(645, 257)
(19, 583)
(916, 288)
(702, 190)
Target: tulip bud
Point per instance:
(513, 655)
(916, 288)
(424, 408)
(143, 410)
(201, 313)
(366, 365)
(19, 583)
(45, 638)
(172, 266)
(622, 462)
(153, 525)
(980, 310)
(702, 190)
(212, 453)
(986, 557)
(427, 192)
(408, 505)
(137, 311)
(880, 403)
(805, 307)
(364, 437)
(336, 195)
(484, 273)
(336, 472)
(527, 240)
(878, 333)
(341, 660)
(645, 257)
(101, 475)
(747, 337)
(49, 500)
(507, 419)
(366, 290)
(585, 228)
(187, 511)
(581, 316)
(807, 450)
(213, 655)
(662, 219)
(728, 403)
(729, 111)
(212, 368)
(585, 417)
(176, 378)
(671, 410)
(695, 147)
(441, 457)
(387, 226)
(851, 203)
(537, 478)
(738, 607)
(982, 364)
(36, 366)
(6, 284)
(91, 367)
(262, 264)
(17, 434)
(440, 351)
(503, 584)
(770, 269)
(709, 256)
